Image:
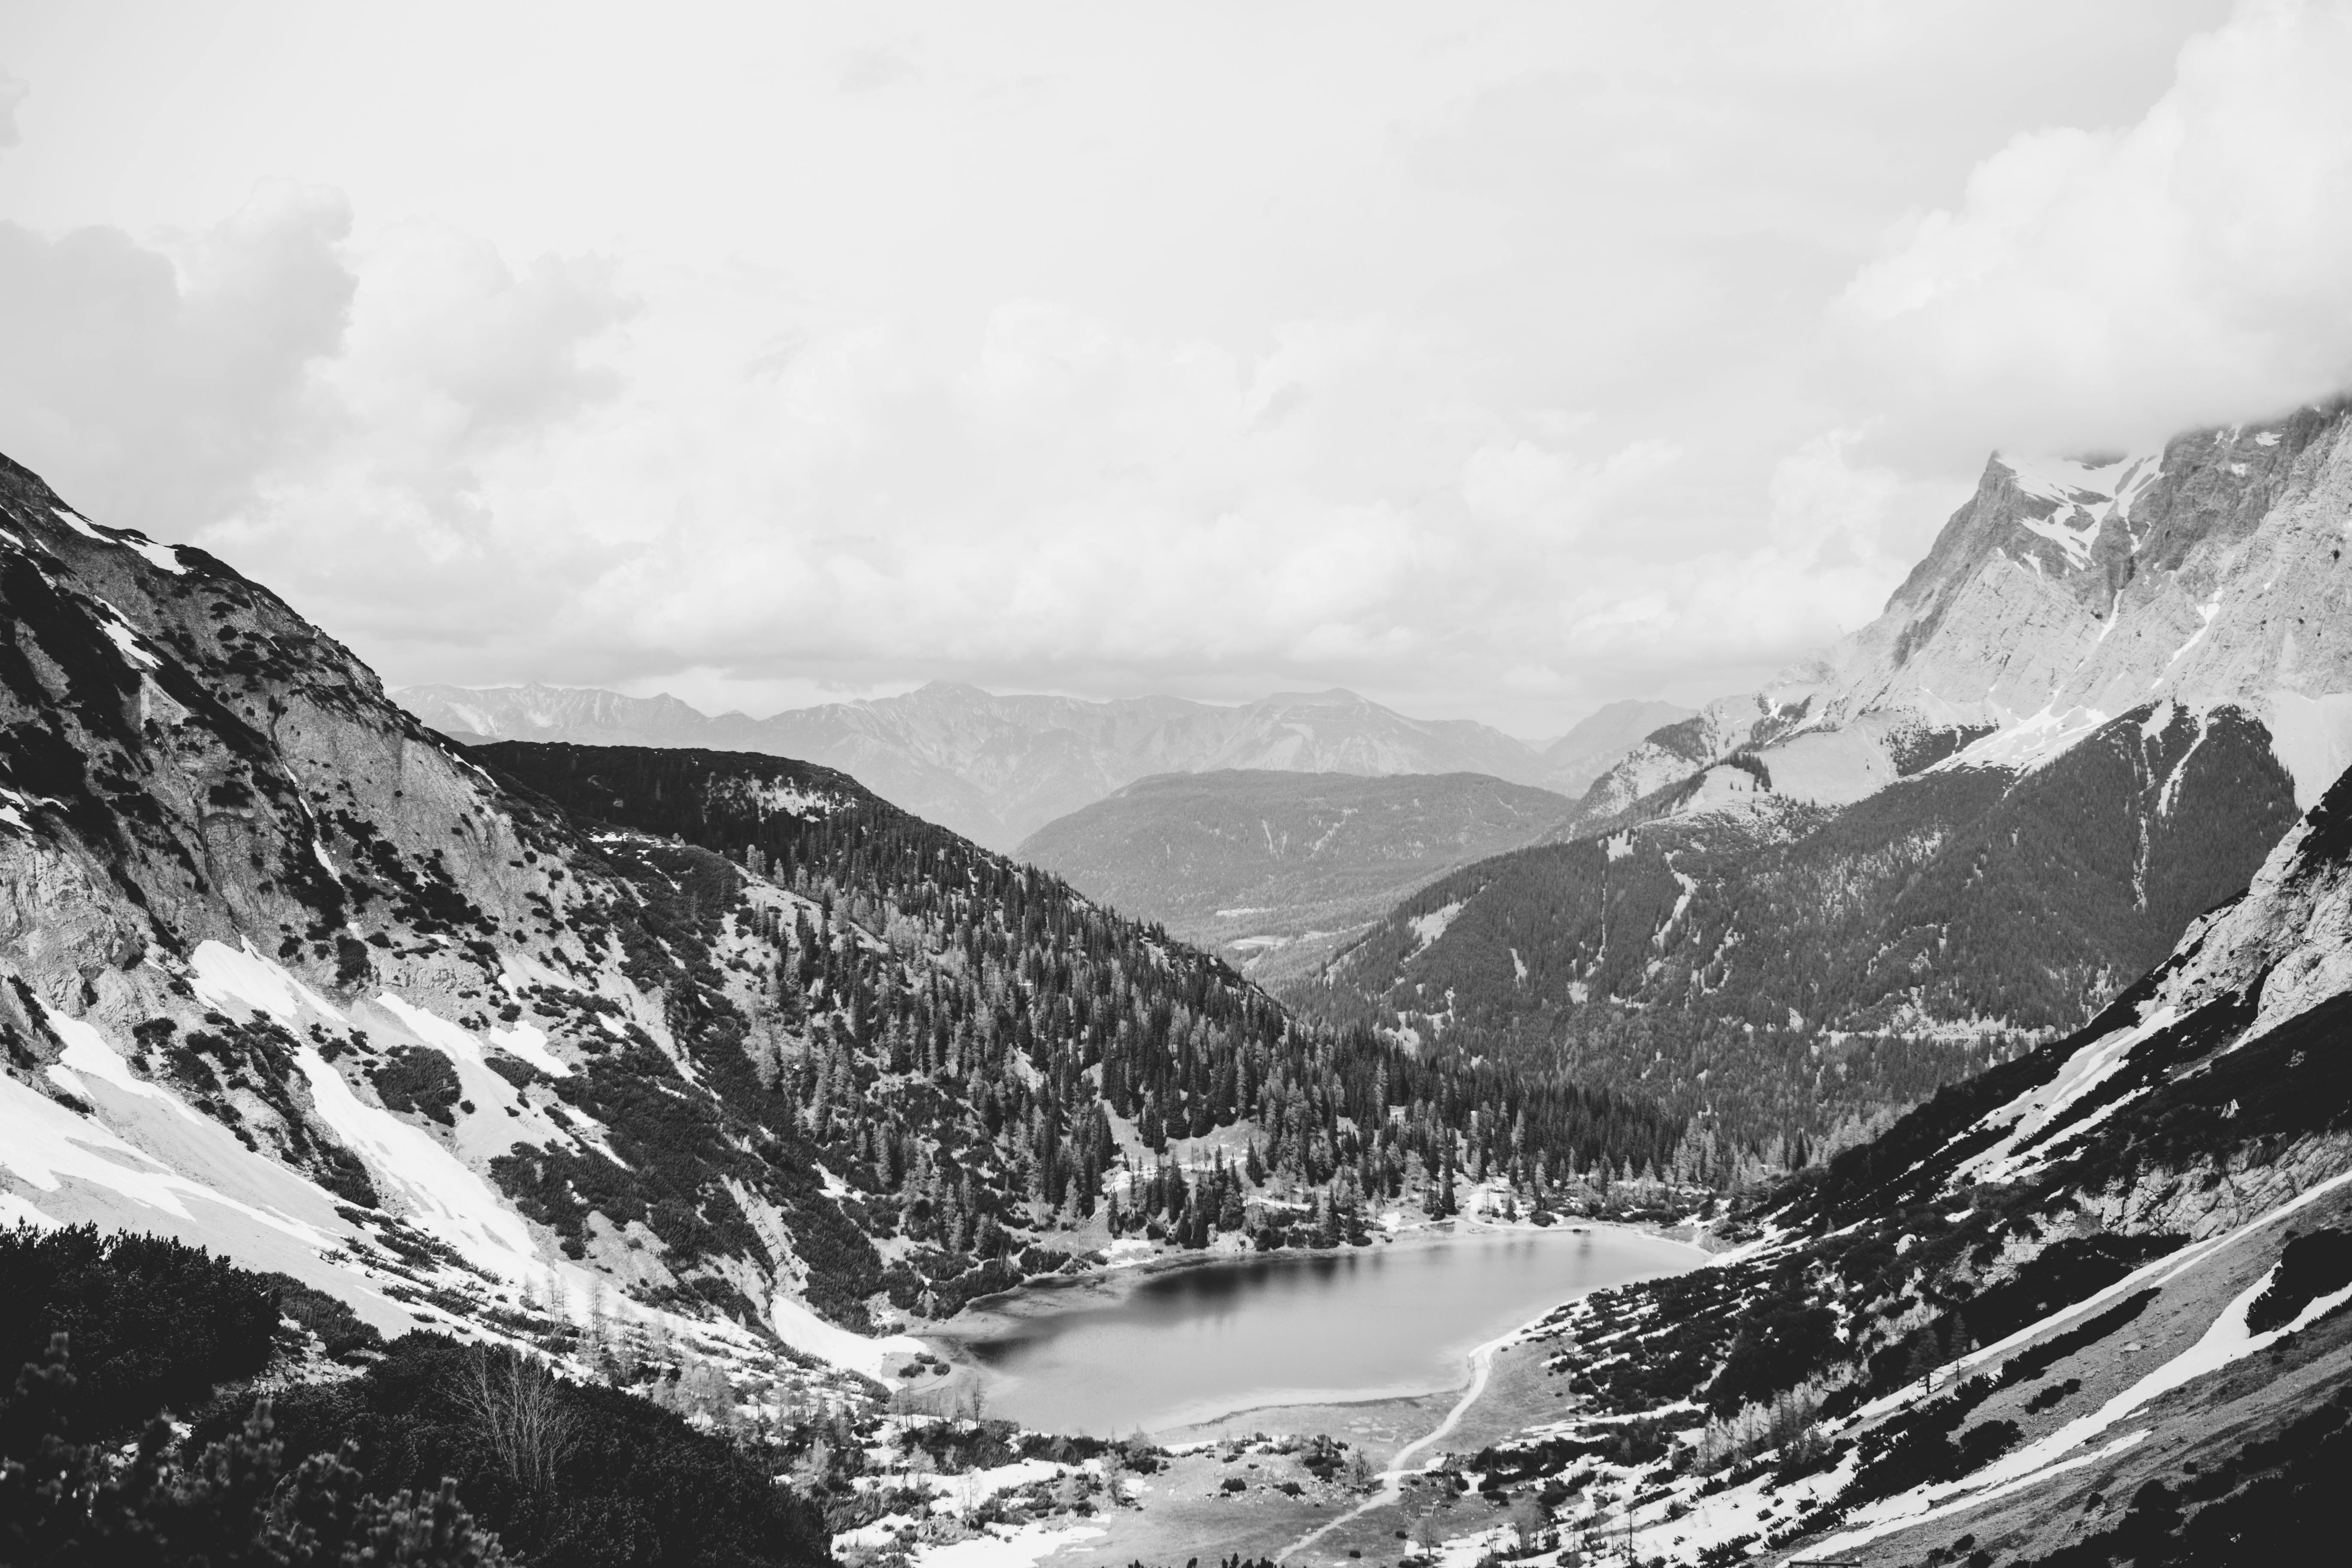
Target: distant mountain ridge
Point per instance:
(1272, 868)
(1587, 750)
(997, 768)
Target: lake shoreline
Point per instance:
(1387, 1406)
(1115, 1281)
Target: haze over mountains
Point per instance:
(997, 768)
(1271, 869)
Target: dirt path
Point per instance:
(1392, 1488)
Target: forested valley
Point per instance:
(1789, 977)
(970, 1047)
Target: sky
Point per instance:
(1493, 361)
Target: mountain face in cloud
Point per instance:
(2205, 574)
(2080, 722)
(998, 768)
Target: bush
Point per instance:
(153, 1324)
(65, 1501)
(620, 1482)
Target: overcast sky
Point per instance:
(1493, 361)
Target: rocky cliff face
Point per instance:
(286, 975)
(2063, 595)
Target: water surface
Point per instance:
(1275, 1329)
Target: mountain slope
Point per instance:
(287, 977)
(1601, 739)
(1270, 868)
(996, 769)
(2060, 596)
(1786, 967)
(2089, 1306)
(1968, 822)
(703, 1056)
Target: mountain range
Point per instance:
(2081, 720)
(711, 1053)
(997, 768)
(2008, 945)
(1271, 870)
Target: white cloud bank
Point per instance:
(2106, 287)
(1501, 372)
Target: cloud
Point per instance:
(2106, 287)
(154, 384)
(869, 67)
(1485, 371)
(13, 93)
(459, 382)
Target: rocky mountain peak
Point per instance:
(2209, 574)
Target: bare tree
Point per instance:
(516, 1405)
(1527, 1521)
(1426, 1531)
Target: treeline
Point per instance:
(435, 1453)
(1806, 969)
(962, 1039)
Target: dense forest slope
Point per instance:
(1271, 869)
(2081, 721)
(997, 768)
(1789, 967)
(987, 1060)
(2087, 1306)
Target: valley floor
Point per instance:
(1281, 1507)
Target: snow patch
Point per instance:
(521, 1040)
(78, 525)
(2027, 743)
(1006, 1546)
(2312, 739)
(87, 1052)
(2206, 614)
(530, 1042)
(434, 1191)
(126, 641)
(221, 975)
(1432, 926)
(812, 1335)
(162, 557)
(43, 1145)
